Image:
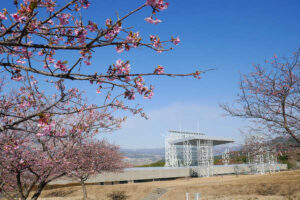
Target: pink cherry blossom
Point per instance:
(108, 22)
(85, 3)
(152, 21)
(64, 18)
(151, 2)
(46, 129)
(49, 4)
(159, 70)
(132, 40)
(110, 35)
(159, 4)
(92, 26)
(2, 16)
(24, 105)
(61, 65)
(197, 75)
(21, 61)
(130, 94)
(41, 53)
(127, 79)
(81, 34)
(50, 60)
(175, 40)
(140, 85)
(120, 48)
(152, 37)
(119, 63)
(149, 93)
(18, 77)
(121, 67)
(18, 18)
(51, 22)
(26, 2)
(87, 62)
(156, 43)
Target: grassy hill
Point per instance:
(160, 163)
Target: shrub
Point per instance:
(117, 195)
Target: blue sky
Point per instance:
(228, 35)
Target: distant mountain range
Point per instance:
(138, 157)
(154, 151)
(286, 141)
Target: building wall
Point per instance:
(136, 174)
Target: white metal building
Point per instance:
(191, 149)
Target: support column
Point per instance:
(205, 158)
(225, 157)
(167, 154)
(173, 156)
(187, 153)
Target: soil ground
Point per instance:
(277, 186)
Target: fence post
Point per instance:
(187, 196)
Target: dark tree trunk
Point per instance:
(20, 187)
(39, 190)
(83, 189)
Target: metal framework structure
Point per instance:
(261, 158)
(272, 162)
(225, 157)
(185, 149)
(205, 157)
(187, 153)
(264, 161)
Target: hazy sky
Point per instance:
(230, 35)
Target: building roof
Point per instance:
(194, 138)
(186, 132)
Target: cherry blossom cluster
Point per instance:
(132, 40)
(120, 68)
(48, 135)
(61, 65)
(159, 70)
(28, 38)
(113, 30)
(156, 41)
(142, 89)
(157, 5)
(101, 156)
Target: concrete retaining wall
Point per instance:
(139, 174)
(242, 169)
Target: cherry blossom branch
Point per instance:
(271, 95)
(84, 77)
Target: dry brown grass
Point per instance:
(283, 185)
